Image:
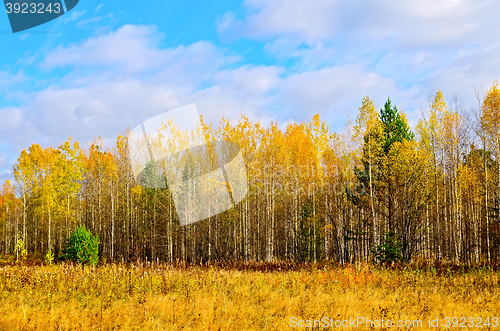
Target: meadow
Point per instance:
(242, 296)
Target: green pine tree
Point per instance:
(309, 237)
(378, 143)
(394, 126)
(82, 246)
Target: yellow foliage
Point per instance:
(490, 117)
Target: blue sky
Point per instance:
(106, 66)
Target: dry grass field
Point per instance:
(255, 296)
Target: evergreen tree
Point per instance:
(394, 126)
(309, 240)
(83, 247)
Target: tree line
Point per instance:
(312, 194)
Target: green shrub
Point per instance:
(389, 251)
(82, 246)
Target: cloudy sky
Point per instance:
(104, 67)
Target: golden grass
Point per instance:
(162, 297)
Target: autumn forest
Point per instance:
(313, 194)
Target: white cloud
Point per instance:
(405, 22)
(99, 6)
(96, 23)
(335, 92)
(74, 16)
(8, 78)
(130, 47)
(134, 48)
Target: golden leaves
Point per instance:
(490, 115)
